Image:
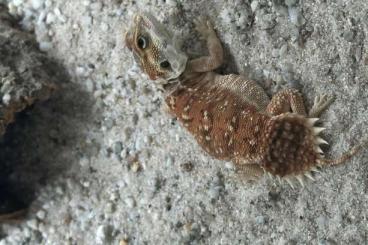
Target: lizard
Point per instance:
(232, 118)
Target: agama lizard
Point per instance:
(231, 117)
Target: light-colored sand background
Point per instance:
(108, 163)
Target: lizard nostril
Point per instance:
(165, 64)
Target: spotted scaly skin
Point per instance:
(231, 117)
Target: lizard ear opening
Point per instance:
(128, 40)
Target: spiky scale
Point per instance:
(279, 179)
(309, 176)
(290, 182)
(318, 149)
(318, 130)
(321, 141)
(312, 121)
(300, 179)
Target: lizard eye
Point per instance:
(142, 42)
(165, 64)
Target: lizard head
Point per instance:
(155, 48)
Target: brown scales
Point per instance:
(231, 117)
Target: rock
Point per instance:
(34, 78)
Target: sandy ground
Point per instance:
(106, 164)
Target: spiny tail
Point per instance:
(346, 156)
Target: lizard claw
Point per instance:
(321, 102)
(204, 27)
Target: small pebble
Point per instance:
(135, 166)
(86, 21)
(50, 18)
(349, 35)
(321, 222)
(110, 208)
(48, 3)
(59, 15)
(214, 192)
(102, 234)
(169, 160)
(13, 9)
(358, 53)
(36, 4)
(45, 46)
(294, 15)
(118, 147)
(130, 202)
(27, 232)
(260, 220)
(275, 53)
(171, 3)
(18, 2)
(89, 85)
(97, 6)
(104, 27)
(84, 162)
(86, 2)
(114, 196)
(59, 190)
(123, 242)
(41, 214)
(254, 5)
(33, 224)
(283, 51)
(41, 18)
(124, 153)
(6, 99)
(290, 3)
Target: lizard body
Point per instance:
(231, 117)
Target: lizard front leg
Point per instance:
(215, 51)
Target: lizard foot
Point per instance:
(204, 27)
(321, 102)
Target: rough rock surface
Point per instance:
(108, 164)
(24, 74)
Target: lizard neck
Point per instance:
(187, 80)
